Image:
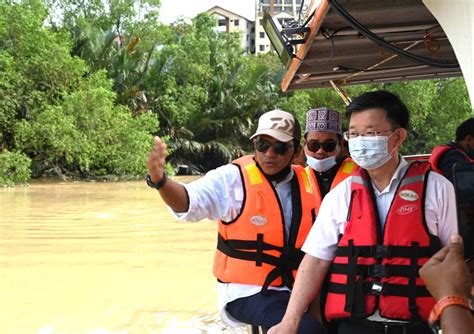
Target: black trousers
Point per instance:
(372, 327)
(267, 310)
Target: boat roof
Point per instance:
(336, 51)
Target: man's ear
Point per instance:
(402, 136)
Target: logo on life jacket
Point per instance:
(406, 209)
(408, 195)
(258, 220)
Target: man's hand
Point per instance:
(446, 273)
(284, 327)
(157, 160)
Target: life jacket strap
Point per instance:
(384, 289)
(376, 270)
(253, 250)
(381, 251)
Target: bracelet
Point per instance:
(441, 305)
(157, 185)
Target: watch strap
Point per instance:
(158, 184)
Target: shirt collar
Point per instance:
(285, 180)
(396, 177)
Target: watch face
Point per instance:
(470, 301)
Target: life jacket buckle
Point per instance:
(375, 288)
(381, 252)
(378, 270)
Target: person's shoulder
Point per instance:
(439, 180)
(454, 152)
(228, 170)
(452, 155)
(341, 188)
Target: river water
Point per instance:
(97, 257)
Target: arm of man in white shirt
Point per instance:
(320, 247)
(309, 280)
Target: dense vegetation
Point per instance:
(84, 87)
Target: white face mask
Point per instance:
(370, 152)
(321, 165)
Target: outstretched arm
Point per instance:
(173, 193)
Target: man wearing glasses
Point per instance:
(374, 231)
(265, 208)
(323, 148)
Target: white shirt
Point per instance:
(440, 214)
(219, 195)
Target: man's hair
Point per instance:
(466, 128)
(396, 111)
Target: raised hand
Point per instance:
(157, 160)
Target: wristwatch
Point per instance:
(435, 315)
(158, 184)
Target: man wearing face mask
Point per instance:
(444, 156)
(327, 165)
(374, 230)
(265, 208)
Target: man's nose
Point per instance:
(271, 152)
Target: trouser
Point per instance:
(267, 310)
(363, 326)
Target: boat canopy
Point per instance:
(358, 42)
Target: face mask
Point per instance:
(321, 165)
(370, 152)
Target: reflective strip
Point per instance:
(359, 180)
(412, 179)
(307, 184)
(254, 174)
(348, 167)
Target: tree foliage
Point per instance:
(84, 85)
(57, 112)
(208, 94)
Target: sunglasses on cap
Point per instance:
(328, 146)
(278, 146)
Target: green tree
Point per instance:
(209, 94)
(87, 135)
(119, 36)
(35, 66)
(57, 112)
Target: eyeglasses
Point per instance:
(278, 146)
(328, 146)
(354, 134)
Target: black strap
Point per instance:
(351, 277)
(249, 254)
(387, 289)
(284, 270)
(246, 244)
(284, 264)
(412, 307)
(376, 270)
(380, 251)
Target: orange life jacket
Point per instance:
(344, 171)
(439, 150)
(253, 248)
(376, 268)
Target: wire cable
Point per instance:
(373, 37)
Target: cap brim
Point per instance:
(278, 135)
